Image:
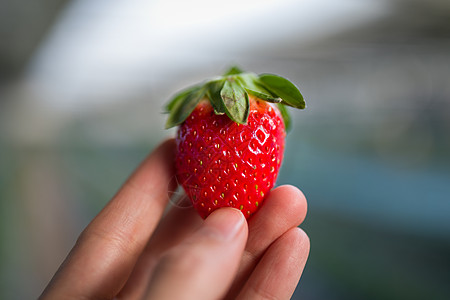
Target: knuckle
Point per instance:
(113, 239)
(262, 293)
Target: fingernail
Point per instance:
(226, 222)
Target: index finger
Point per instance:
(105, 253)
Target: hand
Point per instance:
(130, 251)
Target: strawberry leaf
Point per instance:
(229, 94)
(236, 102)
(179, 98)
(183, 104)
(285, 115)
(214, 88)
(284, 89)
(253, 86)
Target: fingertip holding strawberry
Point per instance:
(230, 138)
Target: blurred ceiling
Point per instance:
(82, 50)
(99, 50)
(23, 24)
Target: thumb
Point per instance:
(203, 265)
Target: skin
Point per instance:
(134, 249)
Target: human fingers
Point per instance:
(279, 270)
(285, 208)
(106, 251)
(204, 264)
(173, 228)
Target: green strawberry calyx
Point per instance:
(229, 94)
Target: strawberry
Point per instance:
(230, 139)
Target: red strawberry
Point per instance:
(231, 140)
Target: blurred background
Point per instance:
(82, 84)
